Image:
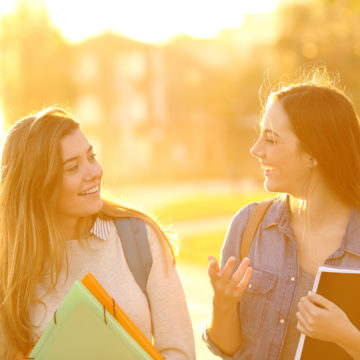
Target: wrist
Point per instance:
(223, 306)
(350, 340)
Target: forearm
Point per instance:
(224, 329)
(350, 342)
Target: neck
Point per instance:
(75, 228)
(319, 206)
(319, 225)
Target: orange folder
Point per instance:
(104, 298)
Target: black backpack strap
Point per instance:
(134, 240)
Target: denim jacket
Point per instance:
(265, 307)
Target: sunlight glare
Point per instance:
(151, 21)
(7, 6)
(2, 127)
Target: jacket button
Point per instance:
(292, 278)
(282, 321)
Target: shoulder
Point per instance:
(157, 245)
(232, 243)
(238, 224)
(241, 218)
(243, 215)
(151, 234)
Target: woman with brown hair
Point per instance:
(55, 227)
(309, 149)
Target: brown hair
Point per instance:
(325, 121)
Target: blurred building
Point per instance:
(151, 112)
(184, 110)
(119, 98)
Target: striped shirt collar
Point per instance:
(101, 228)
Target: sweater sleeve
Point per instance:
(172, 329)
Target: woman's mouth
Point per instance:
(93, 190)
(268, 170)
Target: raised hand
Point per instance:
(224, 329)
(228, 289)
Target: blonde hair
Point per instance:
(111, 209)
(31, 240)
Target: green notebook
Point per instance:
(83, 331)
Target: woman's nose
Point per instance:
(256, 150)
(94, 170)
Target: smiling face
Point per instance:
(287, 168)
(81, 183)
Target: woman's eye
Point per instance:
(73, 168)
(270, 140)
(92, 156)
(269, 137)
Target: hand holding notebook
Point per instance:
(338, 304)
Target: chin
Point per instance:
(271, 187)
(95, 208)
(99, 206)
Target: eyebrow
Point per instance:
(76, 157)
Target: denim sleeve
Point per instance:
(231, 247)
(232, 243)
(215, 350)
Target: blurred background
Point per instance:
(168, 93)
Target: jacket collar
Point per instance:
(351, 239)
(279, 215)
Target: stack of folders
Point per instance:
(90, 325)
(341, 286)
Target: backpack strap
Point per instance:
(252, 226)
(134, 240)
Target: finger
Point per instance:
(244, 281)
(240, 271)
(300, 328)
(213, 262)
(303, 321)
(213, 268)
(307, 307)
(228, 268)
(319, 300)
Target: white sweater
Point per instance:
(168, 322)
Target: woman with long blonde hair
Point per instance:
(55, 227)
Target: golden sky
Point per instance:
(147, 20)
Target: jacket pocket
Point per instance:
(254, 305)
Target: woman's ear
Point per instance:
(312, 161)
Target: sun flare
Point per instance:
(148, 21)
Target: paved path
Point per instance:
(198, 292)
